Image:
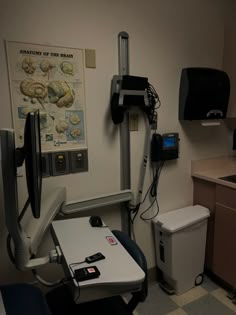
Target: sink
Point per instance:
(230, 178)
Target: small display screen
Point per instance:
(168, 142)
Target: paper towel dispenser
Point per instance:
(203, 94)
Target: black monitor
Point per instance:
(13, 158)
(33, 162)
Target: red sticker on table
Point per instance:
(111, 240)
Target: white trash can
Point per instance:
(180, 239)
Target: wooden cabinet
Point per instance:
(204, 194)
(224, 262)
(221, 235)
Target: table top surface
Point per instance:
(78, 240)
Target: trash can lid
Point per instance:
(175, 220)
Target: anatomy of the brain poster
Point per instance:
(50, 79)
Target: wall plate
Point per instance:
(60, 163)
(79, 161)
(46, 165)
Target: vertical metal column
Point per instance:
(123, 49)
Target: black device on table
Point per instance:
(86, 273)
(95, 257)
(91, 272)
(95, 221)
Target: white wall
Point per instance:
(165, 36)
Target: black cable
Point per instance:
(151, 111)
(9, 249)
(66, 280)
(154, 103)
(77, 263)
(146, 210)
(27, 203)
(153, 193)
(135, 212)
(136, 208)
(157, 211)
(152, 189)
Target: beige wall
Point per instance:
(229, 54)
(165, 36)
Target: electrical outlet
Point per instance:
(133, 122)
(79, 161)
(60, 163)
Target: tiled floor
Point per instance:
(207, 299)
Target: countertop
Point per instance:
(213, 168)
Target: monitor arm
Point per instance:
(27, 240)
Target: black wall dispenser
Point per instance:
(204, 94)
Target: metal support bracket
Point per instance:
(123, 50)
(96, 202)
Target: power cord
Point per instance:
(156, 176)
(152, 190)
(45, 282)
(154, 103)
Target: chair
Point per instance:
(60, 300)
(23, 299)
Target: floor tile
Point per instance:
(189, 296)
(207, 305)
(179, 311)
(221, 295)
(206, 299)
(208, 284)
(157, 302)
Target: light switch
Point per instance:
(90, 58)
(133, 122)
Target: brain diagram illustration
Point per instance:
(54, 85)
